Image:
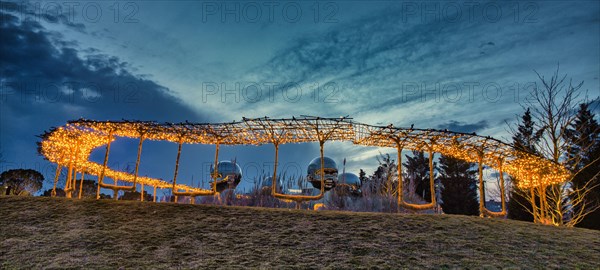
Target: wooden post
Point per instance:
(216, 168)
(543, 203)
(321, 143)
(274, 180)
(502, 191)
(216, 173)
(101, 177)
(56, 176)
(177, 167)
(431, 177)
(68, 181)
(81, 184)
(73, 181)
(400, 180)
(481, 189)
(154, 199)
(98, 192)
(137, 164)
(534, 209)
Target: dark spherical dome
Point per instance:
(315, 165)
(349, 179)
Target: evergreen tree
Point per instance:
(524, 139)
(362, 175)
(59, 193)
(527, 136)
(88, 190)
(584, 157)
(384, 180)
(135, 196)
(459, 179)
(417, 170)
(518, 206)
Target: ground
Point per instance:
(62, 233)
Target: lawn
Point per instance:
(61, 233)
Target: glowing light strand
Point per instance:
(60, 145)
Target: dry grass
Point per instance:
(60, 233)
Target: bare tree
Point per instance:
(553, 106)
(571, 203)
(386, 174)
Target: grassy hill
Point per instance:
(61, 233)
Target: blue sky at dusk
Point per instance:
(464, 66)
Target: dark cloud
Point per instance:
(46, 81)
(485, 44)
(37, 70)
(464, 127)
(49, 15)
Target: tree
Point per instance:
(553, 107)
(417, 170)
(89, 189)
(583, 136)
(362, 175)
(21, 181)
(384, 179)
(518, 206)
(527, 134)
(524, 139)
(459, 179)
(380, 189)
(135, 196)
(59, 192)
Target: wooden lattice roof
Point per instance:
(75, 141)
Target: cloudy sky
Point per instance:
(464, 66)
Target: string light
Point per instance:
(59, 145)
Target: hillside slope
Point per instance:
(61, 233)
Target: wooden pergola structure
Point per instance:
(70, 146)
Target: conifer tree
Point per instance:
(417, 170)
(584, 158)
(459, 179)
(524, 139)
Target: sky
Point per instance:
(462, 66)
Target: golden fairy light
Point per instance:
(70, 146)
